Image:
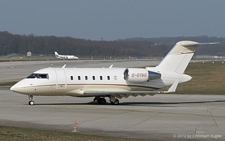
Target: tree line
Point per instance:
(135, 47)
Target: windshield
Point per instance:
(39, 76)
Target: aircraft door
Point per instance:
(61, 82)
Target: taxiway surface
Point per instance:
(159, 117)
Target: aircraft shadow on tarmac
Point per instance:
(138, 103)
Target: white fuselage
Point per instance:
(76, 81)
(67, 57)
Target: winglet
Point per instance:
(111, 66)
(173, 87)
(64, 66)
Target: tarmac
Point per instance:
(159, 117)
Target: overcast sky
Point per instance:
(113, 19)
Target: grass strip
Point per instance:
(207, 78)
(8, 133)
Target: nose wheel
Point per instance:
(31, 101)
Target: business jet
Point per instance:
(112, 83)
(65, 56)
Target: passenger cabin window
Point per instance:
(38, 76)
(108, 77)
(115, 77)
(93, 77)
(71, 77)
(78, 77)
(86, 78)
(100, 77)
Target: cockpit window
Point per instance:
(39, 76)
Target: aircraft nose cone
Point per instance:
(21, 87)
(14, 88)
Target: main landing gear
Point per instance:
(114, 101)
(102, 101)
(31, 102)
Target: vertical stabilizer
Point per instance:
(179, 57)
(56, 55)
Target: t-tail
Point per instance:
(56, 55)
(180, 55)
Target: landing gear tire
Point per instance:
(116, 102)
(101, 101)
(96, 98)
(31, 103)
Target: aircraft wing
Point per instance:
(121, 94)
(100, 93)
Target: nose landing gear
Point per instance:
(31, 102)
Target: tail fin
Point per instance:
(56, 53)
(179, 56)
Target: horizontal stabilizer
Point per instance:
(197, 44)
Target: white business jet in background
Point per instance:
(112, 83)
(65, 56)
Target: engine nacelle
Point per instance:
(140, 75)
